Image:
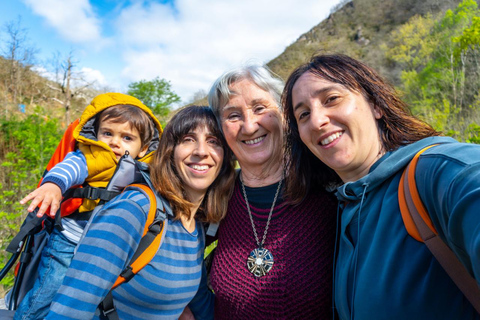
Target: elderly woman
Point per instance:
(274, 258)
(348, 127)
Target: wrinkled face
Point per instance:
(252, 125)
(121, 137)
(339, 126)
(198, 159)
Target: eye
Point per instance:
(106, 133)
(187, 139)
(331, 99)
(303, 115)
(128, 138)
(233, 116)
(214, 141)
(259, 108)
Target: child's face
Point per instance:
(121, 137)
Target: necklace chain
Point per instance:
(260, 245)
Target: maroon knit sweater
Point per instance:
(301, 239)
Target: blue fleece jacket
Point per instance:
(383, 273)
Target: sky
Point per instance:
(189, 43)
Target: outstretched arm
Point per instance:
(70, 172)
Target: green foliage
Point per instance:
(157, 94)
(27, 146)
(440, 71)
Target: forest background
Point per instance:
(429, 50)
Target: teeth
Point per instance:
(257, 140)
(199, 167)
(330, 138)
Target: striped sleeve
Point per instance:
(108, 245)
(70, 172)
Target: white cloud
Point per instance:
(73, 19)
(193, 43)
(90, 75)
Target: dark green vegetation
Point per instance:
(430, 50)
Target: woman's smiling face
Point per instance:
(252, 124)
(198, 159)
(339, 126)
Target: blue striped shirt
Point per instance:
(70, 172)
(161, 290)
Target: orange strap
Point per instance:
(419, 226)
(147, 255)
(412, 186)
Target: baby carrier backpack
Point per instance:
(420, 227)
(34, 232)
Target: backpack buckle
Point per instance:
(107, 312)
(91, 193)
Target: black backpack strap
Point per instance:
(31, 225)
(92, 193)
(107, 307)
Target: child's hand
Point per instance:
(49, 194)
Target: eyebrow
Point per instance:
(316, 93)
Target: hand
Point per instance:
(48, 194)
(186, 314)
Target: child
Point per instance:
(111, 125)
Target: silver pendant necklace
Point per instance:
(260, 260)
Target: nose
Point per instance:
(200, 149)
(250, 124)
(114, 141)
(318, 118)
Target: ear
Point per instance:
(377, 113)
(143, 152)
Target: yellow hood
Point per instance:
(101, 160)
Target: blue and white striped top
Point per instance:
(71, 171)
(161, 290)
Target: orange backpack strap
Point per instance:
(153, 234)
(152, 237)
(409, 199)
(419, 225)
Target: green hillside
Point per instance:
(430, 51)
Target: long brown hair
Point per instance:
(164, 175)
(397, 125)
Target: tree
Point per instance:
(156, 94)
(441, 70)
(69, 82)
(19, 55)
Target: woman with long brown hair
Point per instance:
(348, 129)
(193, 174)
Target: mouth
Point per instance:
(331, 138)
(199, 167)
(254, 141)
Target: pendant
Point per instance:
(260, 262)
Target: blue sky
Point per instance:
(187, 42)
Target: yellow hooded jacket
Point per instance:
(101, 161)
